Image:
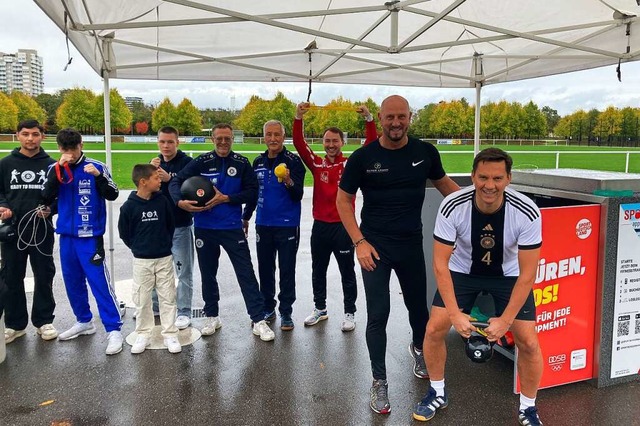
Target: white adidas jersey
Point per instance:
(488, 244)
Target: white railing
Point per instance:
(192, 153)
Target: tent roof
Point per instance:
(436, 43)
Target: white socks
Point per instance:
(524, 402)
(438, 386)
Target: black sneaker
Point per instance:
(426, 409)
(529, 417)
(380, 397)
(419, 367)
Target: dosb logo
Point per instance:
(632, 214)
(557, 359)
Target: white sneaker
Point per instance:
(262, 329)
(173, 345)
(141, 343)
(10, 334)
(316, 316)
(114, 342)
(47, 332)
(183, 322)
(78, 329)
(348, 323)
(211, 324)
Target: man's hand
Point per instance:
(302, 109)
(462, 323)
(5, 213)
(498, 327)
(162, 173)
(366, 255)
(44, 212)
(65, 158)
(245, 228)
(91, 169)
(364, 112)
(219, 198)
(190, 206)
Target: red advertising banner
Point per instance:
(565, 293)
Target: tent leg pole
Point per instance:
(476, 127)
(107, 144)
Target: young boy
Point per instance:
(146, 226)
(82, 185)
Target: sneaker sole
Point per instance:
(183, 327)
(420, 418)
(419, 376)
(347, 329)
(287, 327)
(114, 353)
(212, 332)
(82, 333)
(263, 339)
(45, 337)
(321, 318)
(17, 334)
(383, 411)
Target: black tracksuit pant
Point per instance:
(328, 238)
(406, 258)
(14, 268)
(283, 241)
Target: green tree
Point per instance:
(535, 122)
(211, 117)
(187, 118)
(28, 108)
(8, 114)
(141, 112)
(76, 110)
(552, 118)
(592, 121)
(628, 125)
(51, 103)
(163, 115)
(120, 115)
(609, 124)
(421, 124)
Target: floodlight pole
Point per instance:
(107, 145)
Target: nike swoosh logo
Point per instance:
(415, 164)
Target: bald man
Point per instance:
(392, 173)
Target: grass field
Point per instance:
(456, 158)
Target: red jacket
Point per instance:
(326, 175)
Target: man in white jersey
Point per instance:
(487, 238)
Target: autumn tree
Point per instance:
(76, 110)
(187, 118)
(163, 115)
(121, 117)
(142, 128)
(8, 114)
(50, 103)
(28, 108)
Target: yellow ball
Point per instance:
(280, 170)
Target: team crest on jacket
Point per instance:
(231, 171)
(324, 177)
(199, 243)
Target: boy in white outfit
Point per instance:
(146, 226)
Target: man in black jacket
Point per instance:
(22, 177)
(169, 162)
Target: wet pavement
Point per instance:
(309, 376)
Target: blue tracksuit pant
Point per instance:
(82, 261)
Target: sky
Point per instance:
(25, 26)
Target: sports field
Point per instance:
(456, 158)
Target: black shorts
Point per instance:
(468, 287)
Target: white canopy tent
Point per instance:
(438, 43)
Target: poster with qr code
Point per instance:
(625, 356)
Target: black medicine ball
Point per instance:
(197, 188)
(477, 346)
